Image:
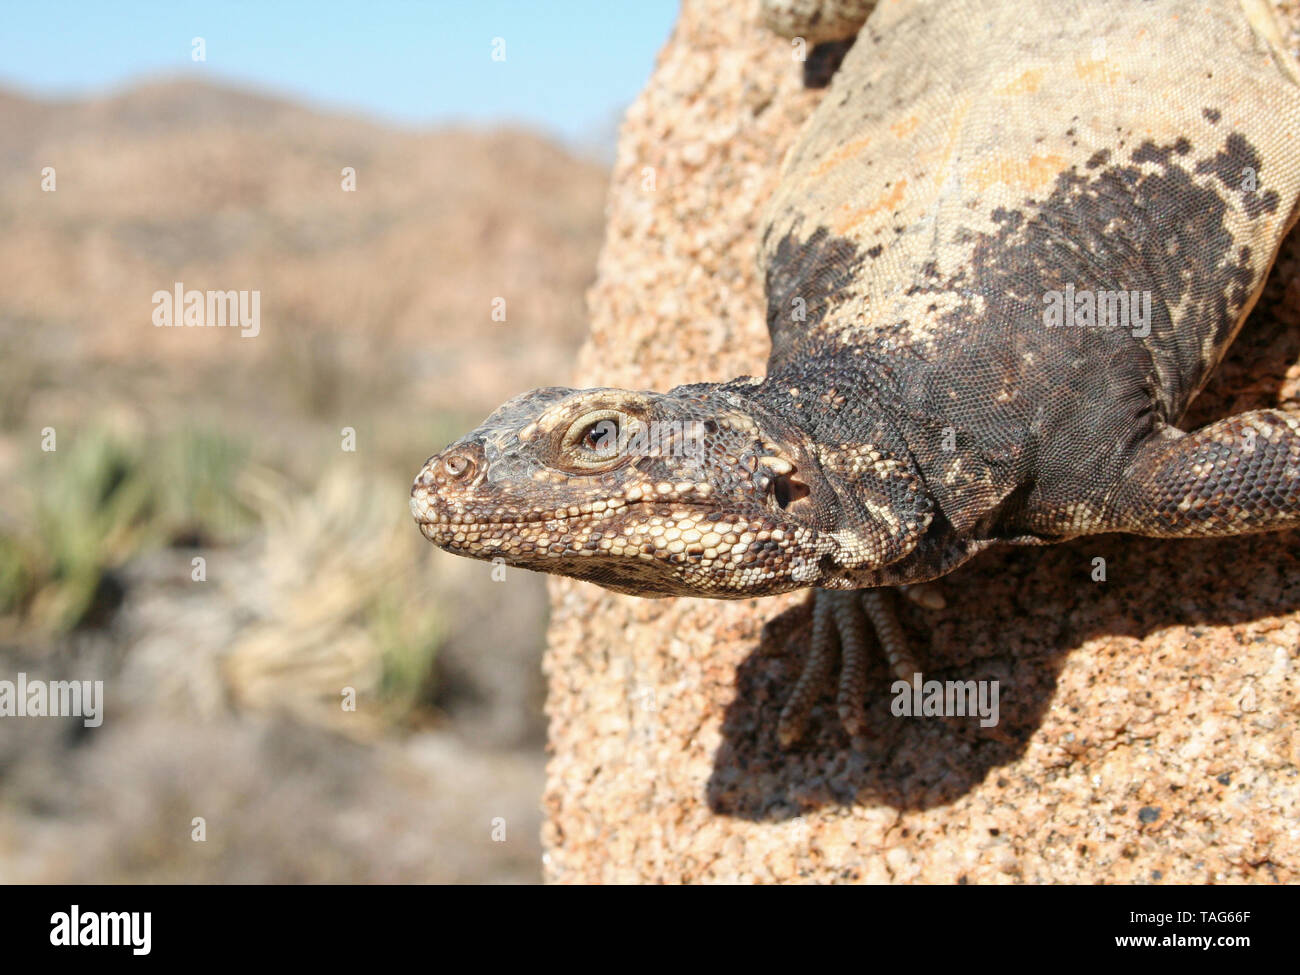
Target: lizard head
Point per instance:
(694, 492)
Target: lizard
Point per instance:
(1005, 252)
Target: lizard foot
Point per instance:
(847, 621)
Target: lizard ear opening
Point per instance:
(788, 490)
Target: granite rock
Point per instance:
(1148, 721)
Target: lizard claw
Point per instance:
(924, 594)
(845, 620)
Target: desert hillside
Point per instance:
(221, 189)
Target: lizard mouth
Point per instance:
(426, 515)
(430, 508)
(534, 540)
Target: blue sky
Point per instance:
(570, 67)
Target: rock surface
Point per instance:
(1148, 721)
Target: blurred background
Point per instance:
(143, 145)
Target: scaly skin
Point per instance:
(971, 160)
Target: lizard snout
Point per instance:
(457, 469)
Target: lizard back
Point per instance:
(934, 205)
(1078, 160)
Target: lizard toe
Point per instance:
(848, 624)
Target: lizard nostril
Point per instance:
(458, 466)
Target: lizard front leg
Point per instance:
(816, 21)
(1233, 477)
(854, 622)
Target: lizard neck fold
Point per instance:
(874, 502)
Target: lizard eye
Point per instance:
(595, 440)
(600, 436)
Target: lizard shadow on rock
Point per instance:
(1013, 615)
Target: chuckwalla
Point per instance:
(1005, 253)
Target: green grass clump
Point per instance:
(99, 500)
(408, 635)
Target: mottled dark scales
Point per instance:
(975, 167)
